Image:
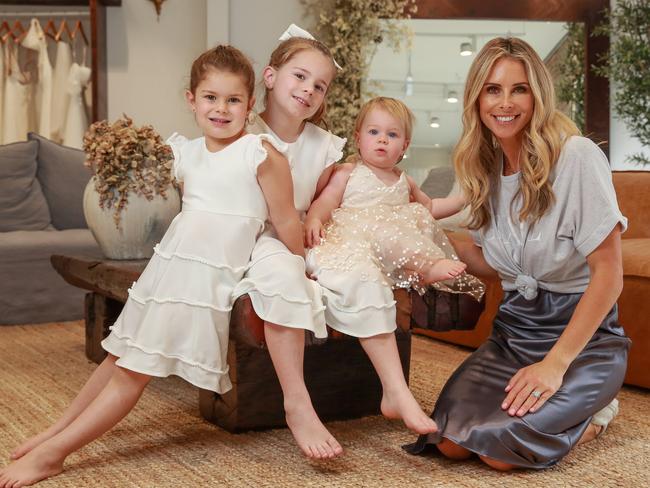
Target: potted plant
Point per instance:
(132, 198)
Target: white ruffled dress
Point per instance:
(176, 319)
(275, 280)
(372, 245)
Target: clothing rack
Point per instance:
(92, 10)
(51, 13)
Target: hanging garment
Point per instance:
(17, 100)
(76, 121)
(35, 39)
(60, 95)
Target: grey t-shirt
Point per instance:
(551, 254)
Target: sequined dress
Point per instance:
(375, 242)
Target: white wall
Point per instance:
(149, 62)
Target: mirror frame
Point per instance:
(591, 12)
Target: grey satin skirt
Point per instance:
(468, 411)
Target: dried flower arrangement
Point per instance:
(127, 159)
(352, 29)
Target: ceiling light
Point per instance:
(436, 145)
(435, 122)
(408, 87)
(452, 96)
(466, 49)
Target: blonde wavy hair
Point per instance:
(476, 156)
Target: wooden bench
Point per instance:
(339, 376)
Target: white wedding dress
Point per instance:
(35, 39)
(76, 121)
(60, 95)
(17, 98)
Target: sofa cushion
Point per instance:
(22, 203)
(636, 257)
(438, 182)
(31, 291)
(63, 177)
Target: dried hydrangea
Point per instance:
(352, 29)
(127, 159)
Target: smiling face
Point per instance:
(381, 139)
(298, 87)
(506, 101)
(220, 103)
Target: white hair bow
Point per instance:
(294, 31)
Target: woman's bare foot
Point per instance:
(310, 433)
(443, 269)
(38, 464)
(32, 442)
(402, 405)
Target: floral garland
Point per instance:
(352, 29)
(125, 160)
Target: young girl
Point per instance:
(377, 241)
(176, 318)
(296, 82)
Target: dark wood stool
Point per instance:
(339, 376)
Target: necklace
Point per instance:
(508, 169)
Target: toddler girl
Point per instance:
(176, 318)
(377, 241)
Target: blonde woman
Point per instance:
(545, 220)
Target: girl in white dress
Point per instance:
(176, 318)
(296, 80)
(377, 241)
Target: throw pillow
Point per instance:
(22, 203)
(63, 178)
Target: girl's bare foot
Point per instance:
(310, 433)
(443, 269)
(401, 405)
(36, 465)
(32, 442)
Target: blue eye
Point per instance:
(393, 134)
(373, 132)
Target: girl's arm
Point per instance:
(329, 199)
(439, 207)
(274, 178)
(324, 179)
(472, 255)
(605, 285)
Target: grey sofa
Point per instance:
(41, 191)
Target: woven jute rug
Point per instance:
(164, 441)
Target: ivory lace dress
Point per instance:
(375, 242)
(176, 319)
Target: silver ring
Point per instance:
(536, 394)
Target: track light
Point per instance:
(452, 96)
(466, 49)
(435, 122)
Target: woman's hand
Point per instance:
(313, 232)
(531, 386)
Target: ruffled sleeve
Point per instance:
(335, 150)
(176, 142)
(260, 153)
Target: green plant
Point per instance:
(127, 159)
(352, 29)
(571, 83)
(627, 64)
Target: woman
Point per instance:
(545, 219)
